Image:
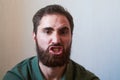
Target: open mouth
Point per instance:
(56, 50)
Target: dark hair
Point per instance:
(51, 9)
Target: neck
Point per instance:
(52, 73)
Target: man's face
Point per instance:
(53, 40)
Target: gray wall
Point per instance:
(96, 40)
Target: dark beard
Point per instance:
(52, 60)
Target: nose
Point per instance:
(56, 38)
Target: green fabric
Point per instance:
(29, 70)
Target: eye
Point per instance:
(64, 31)
(48, 31)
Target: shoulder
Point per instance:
(25, 63)
(22, 69)
(81, 73)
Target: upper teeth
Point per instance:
(56, 49)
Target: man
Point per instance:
(52, 33)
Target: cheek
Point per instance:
(43, 42)
(67, 41)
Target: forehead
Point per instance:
(54, 21)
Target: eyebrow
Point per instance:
(48, 28)
(64, 28)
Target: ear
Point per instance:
(34, 36)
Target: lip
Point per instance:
(56, 50)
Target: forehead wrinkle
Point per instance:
(57, 19)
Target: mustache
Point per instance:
(56, 44)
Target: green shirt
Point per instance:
(29, 70)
